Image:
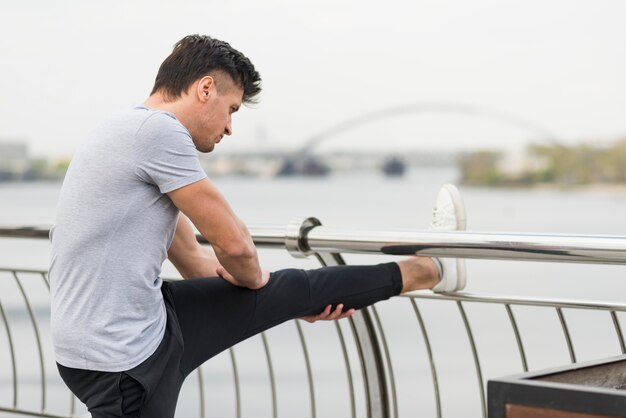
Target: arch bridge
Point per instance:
(301, 161)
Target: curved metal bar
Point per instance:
(45, 280)
(44, 276)
(392, 378)
(518, 337)
(359, 347)
(72, 404)
(21, 270)
(25, 412)
(568, 339)
(12, 352)
(236, 379)
(327, 259)
(38, 338)
(309, 371)
(270, 367)
(549, 303)
(346, 360)
(431, 359)
(479, 373)
(618, 331)
(372, 366)
(201, 389)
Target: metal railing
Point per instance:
(365, 380)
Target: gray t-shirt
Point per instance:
(113, 228)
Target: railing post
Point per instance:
(370, 355)
(372, 363)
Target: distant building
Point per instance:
(516, 164)
(14, 161)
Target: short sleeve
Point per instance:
(165, 154)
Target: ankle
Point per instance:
(418, 273)
(439, 266)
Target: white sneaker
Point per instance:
(449, 215)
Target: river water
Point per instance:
(358, 201)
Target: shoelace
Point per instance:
(440, 216)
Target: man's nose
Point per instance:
(229, 128)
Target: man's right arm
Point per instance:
(211, 214)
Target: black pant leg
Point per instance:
(294, 293)
(215, 315)
(98, 390)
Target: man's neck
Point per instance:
(175, 107)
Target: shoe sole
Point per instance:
(459, 212)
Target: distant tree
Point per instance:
(480, 167)
(567, 165)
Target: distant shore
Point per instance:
(608, 188)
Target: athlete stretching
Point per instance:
(124, 339)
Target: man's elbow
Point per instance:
(239, 249)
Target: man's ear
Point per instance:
(205, 88)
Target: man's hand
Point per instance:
(327, 315)
(224, 274)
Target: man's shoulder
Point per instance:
(153, 124)
(141, 116)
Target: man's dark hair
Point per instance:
(196, 56)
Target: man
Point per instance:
(125, 340)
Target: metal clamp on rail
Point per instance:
(296, 236)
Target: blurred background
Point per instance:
(507, 91)
(367, 108)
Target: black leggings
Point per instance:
(207, 316)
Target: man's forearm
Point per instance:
(211, 214)
(242, 262)
(199, 262)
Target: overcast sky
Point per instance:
(556, 65)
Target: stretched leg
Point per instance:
(215, 315)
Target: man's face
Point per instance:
(215, 118)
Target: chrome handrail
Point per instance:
(593, 249)
(467, 244)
